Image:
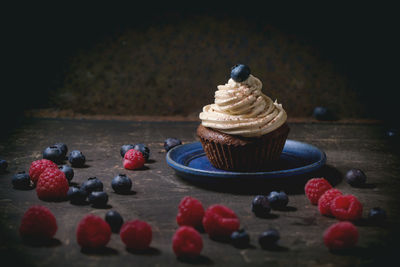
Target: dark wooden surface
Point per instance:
(158, 191)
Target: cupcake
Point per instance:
(243, 130)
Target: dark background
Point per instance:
(168, 60)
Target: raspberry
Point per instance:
(133, 159)
(52, 185)
(220, 221)
(190, 212)
(39, 223)
(341, 235)
(324, 202)
(315, 188)
(39, 166)
(136, 234)
(187, 242)
(93, 232)
(346, 208)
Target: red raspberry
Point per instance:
(52, 185)
(220, 221)
(187, 242)
(190, 212)
(39, 223)
(346, 208)
(324, 202)
(93, 232)
(38, 166)
(133, 159)
(136, 234)
(315, 188)
(341, 235)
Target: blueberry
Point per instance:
(21, 180)
(240, 239)
(121, 184)
(323, 114)
(98, 198)
(125, 148)
(144, 149)
(269, 239)
(260, 206)
(77, 195)
(171, 142)
(355, 177)
(377, 215)
(240, 72)
(3, 165)
(53, 153)
(115, 220)
(92, 184)
(278, 200)
(76, 158)
(68, 171)
(63, 147)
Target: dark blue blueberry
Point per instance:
(355, 177)
(240, 239)
(76, 158)
(278, 200)
(171, 142)
(3, 166)
(323, 114)
(77, 195)
(68, 171)
(269, 239)
(98, 198)
(240, 72)
(63, 147)
(121, 184)
(377, 215)
(92, 184)
(53, 153)
(260, 206)
(21, 180)
(115, 220)
(125, 148)
(144, 149)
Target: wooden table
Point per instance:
(159, 191)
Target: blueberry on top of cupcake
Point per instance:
(240, 72)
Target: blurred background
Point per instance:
(69, 60)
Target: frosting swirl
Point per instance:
(240, 108)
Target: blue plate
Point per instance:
(297, 158)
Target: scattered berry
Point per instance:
(377, 215)
(52, 185)
(171, 142)
(240, 239)
(346, 208)
(77, 195)
(76, 158)
(314, 189)
(125, 148)
(121, 184)
(190, 212)
(240, 72)
(3, 166)
(93, 232)
(115, 220)
(53, 153)
(187, 242)
(324, 202)
(136, 234)
(356, 177)
(63, 147)
(98, 199)
(220, 221)
(68, 171)
(278, 200)
(38, 223)
(323, 114)
(341, 235)
(260, 206)
(92, 184)
(21, 180)
(38, 166)
(144, 150)
(133, 159)
(269, 239)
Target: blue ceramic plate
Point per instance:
(297, 158)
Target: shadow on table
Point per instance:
(32, 242)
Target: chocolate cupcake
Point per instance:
(244, 130)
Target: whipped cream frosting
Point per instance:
(240, 108)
